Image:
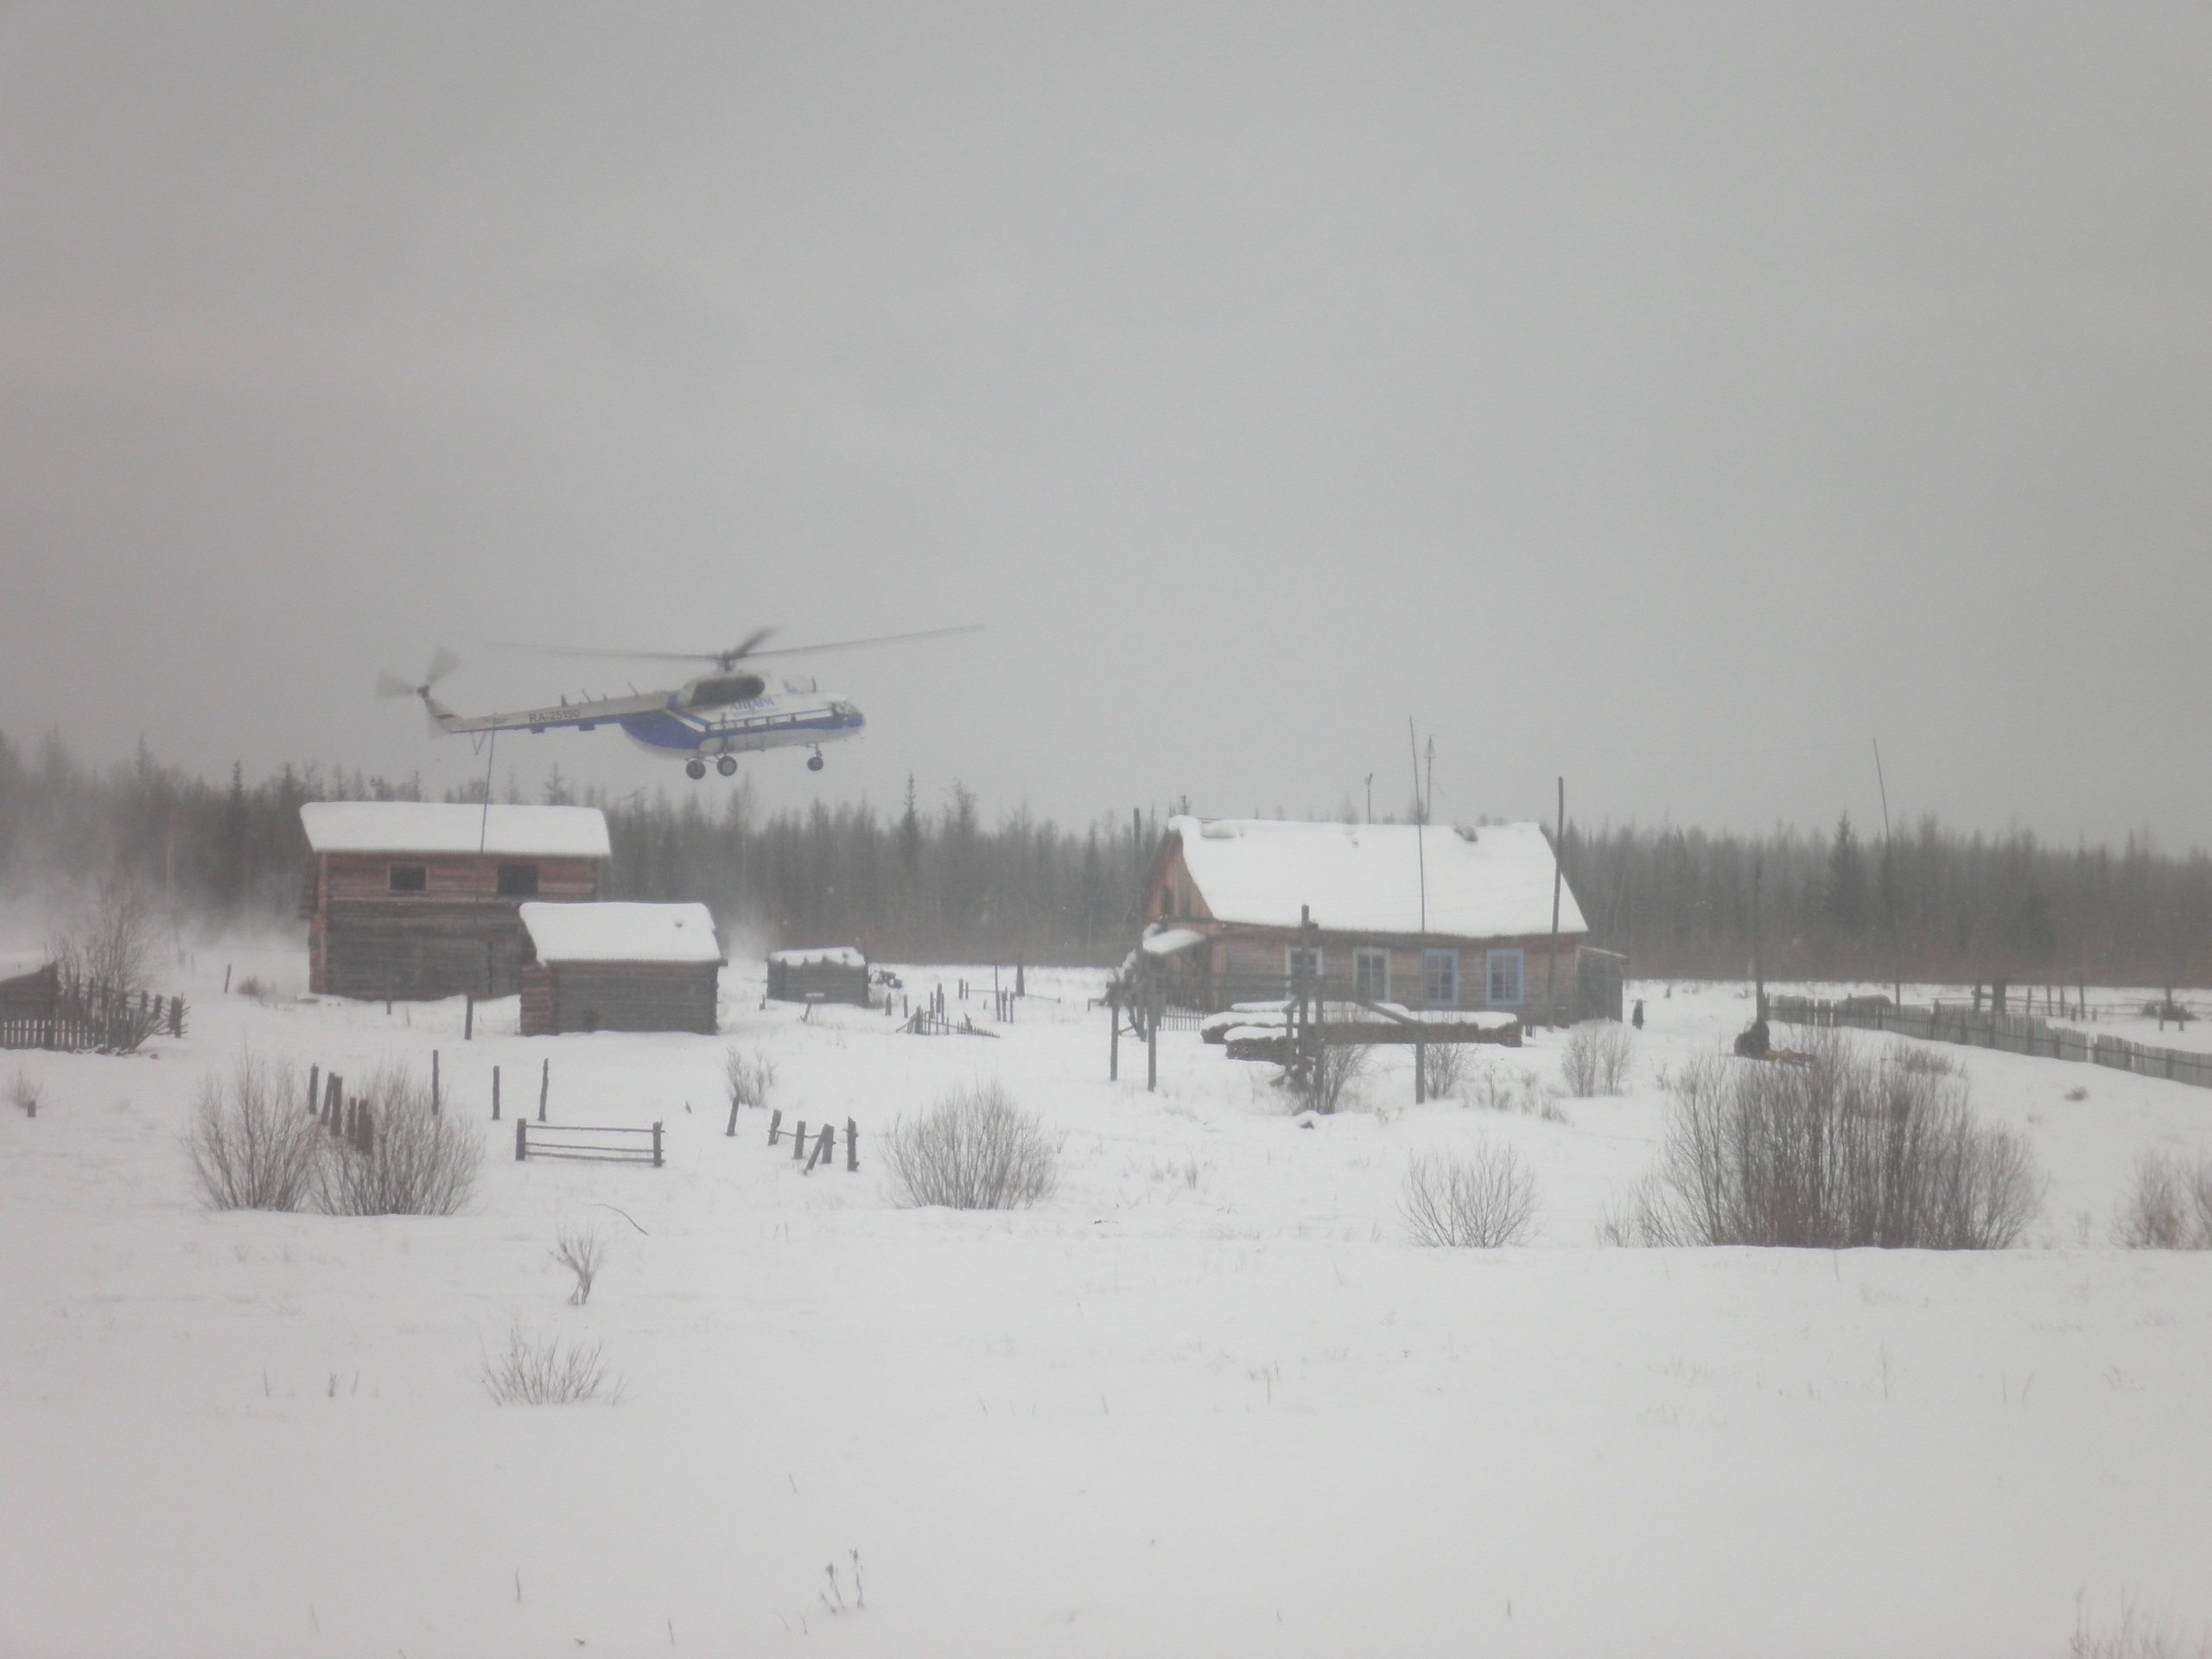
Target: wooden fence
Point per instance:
(51, 1009)
(598, 1144)
(2008, 1033)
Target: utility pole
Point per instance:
(1890, 868)
(1558, 880)
(1420, 863)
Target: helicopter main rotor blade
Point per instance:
(876, 640)
(627, 656)
(389, 684)
(443, 661)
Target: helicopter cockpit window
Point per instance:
(517, 880)
(409, 878)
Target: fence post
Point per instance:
(522, 1139)
(544, 1082)
(468, 1021)
(315, 1083)
(798, 1141)
(852, 1146)
(656, 1143)
(1113, 1039)
(434, 1083)
(733, 1114)
(495, 1094)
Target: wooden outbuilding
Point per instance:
(1431, 917)
(418, 900)
(619, 967)
(830, 972)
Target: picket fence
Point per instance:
(2008, 1033)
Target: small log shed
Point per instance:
(619, 967)
(418, 900)
(830, 973)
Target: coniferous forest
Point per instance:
(939, 877)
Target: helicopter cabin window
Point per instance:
(410, 878)
(517, 880)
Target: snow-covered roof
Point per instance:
(1169, 941)
(437, 826)
(820, 956)
(621, 932)
(1490, 882)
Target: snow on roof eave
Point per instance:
(619, 933)
(1370, 879)
(446, 828)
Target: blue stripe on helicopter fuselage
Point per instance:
(677, 735)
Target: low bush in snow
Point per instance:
(1596, 1060)
(251, 1146)
(25, 1095)
(544, 1371)
(1334, 1079)
(583, 1252)
(2170, 1208)
(1838, 1151)
(1493, 1088)
(410, 1162)
(1479, 1200)
(1443, 1070)
(973, 1150)
(750, 1077)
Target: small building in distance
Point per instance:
(828, 973)
(1223, 897)
(418, 900)
(619, 967)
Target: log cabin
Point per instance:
(1436, 917)
(619, 967)
(415, 900)
(830, 972)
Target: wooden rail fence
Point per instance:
(51, 1009)
(2008, 1033)
(541, 1141)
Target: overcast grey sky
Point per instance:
(1676, 397)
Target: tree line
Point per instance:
(934, 880)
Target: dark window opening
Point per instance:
(517, 880)
(409, 878)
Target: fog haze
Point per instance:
(1676, 399)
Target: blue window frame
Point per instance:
(1505, 969)
(1440, 978)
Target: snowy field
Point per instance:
(1206, 1400)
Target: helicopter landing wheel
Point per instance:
(814, 762)
(727, 766)
(695, 768)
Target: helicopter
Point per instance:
(715, 716)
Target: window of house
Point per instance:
(1440, 978)
(1295, 960)
(1504, 979)
(1371, 974)
(410, 878)
(517, 880)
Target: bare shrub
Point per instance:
(1930, 1062)
(581, 1251)
(253, 986)
(544, 1371)
(1838, 1151)
(1333, 1078)
(251, 1149)
(411, 1161)
(1596, 1058)
(113, 941)
(1443, 1070)
(25, 1094)
(1481, 1200)
(973, 1150)
(751, 1078)
(2171, 1207)
(1521, 1091)
(2139, 1636)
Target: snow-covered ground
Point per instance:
(1207, 1399)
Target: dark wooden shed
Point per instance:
(830, 972)
(419, 900)
(619, 967)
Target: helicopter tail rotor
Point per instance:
(443, 661)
